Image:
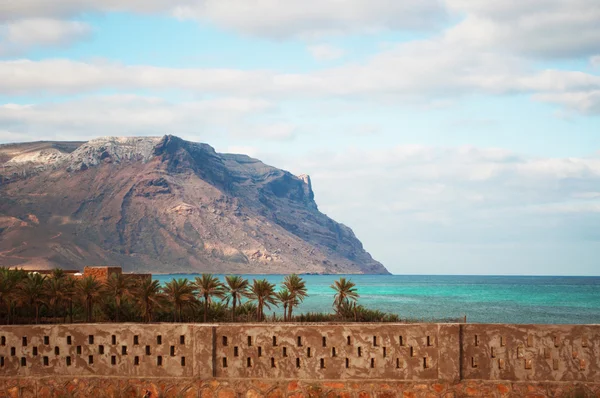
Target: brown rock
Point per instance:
(145, 207)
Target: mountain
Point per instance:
(164, 205)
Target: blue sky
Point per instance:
(453, 136)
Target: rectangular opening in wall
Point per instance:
(260, 351)
(372, 362)
(224, 362)
(429, 343)
(182, 361)
(493, 352)
(322, 363)
(348, 340)
(3, 340)
(274, 341)
(502, 341)
(13, 351)
(78, 350)
(23, 361)
(159, 361)
(159, 339)
(297, 362)
(555, 364)
(91, 339)
(272, 362)
(359, 351)
(425, 363)
(308, 352)
(35, 351)
(24, 341)
(324, 341)
(384, 352)
(56, 351)
(101, 349)
(473, 362)
(235, 352)
(1, 362)
(224, 339)
(114, 339)
(397, 363)
(299, 341)
(69, 340)
(136, 361)
(347, 363)
(333, 352)
(285, 351)
(249, 341)
(136, 340)
(249, 362)
(401, 340)
(68, 360)
(46, 361)
(113, 360)
(476, 340)
(123, 350)
(182, 340)
(529, 341)
(147, 350)
(412, 351)
(91, 359)
(172, 350)
(46, 340)
(374, 341)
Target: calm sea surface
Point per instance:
(486, 299)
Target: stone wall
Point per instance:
(353, 360)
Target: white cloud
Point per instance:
(131, 115)
(325, 52)
(576, 102)
(310, 18)
(267, 18)
(420, 72)
(464, 195)
(539, 28)
(21, 35)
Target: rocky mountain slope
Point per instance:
(164, 205)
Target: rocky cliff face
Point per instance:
(164, 205)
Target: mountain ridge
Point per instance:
(166, 205)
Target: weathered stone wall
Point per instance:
(351, 360)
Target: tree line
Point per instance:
(60, 298)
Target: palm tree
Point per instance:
(297, 288)
(287, 300)
(236, 288)
(264, 294)
(9, 282)
(209, 286)
(69, 293)
(33, 292)
(58, 273)
(118, 286)
(148, 296)
(55, 291)
(90, 291)
(180, 293)
(346, 292)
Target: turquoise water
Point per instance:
(485, 299)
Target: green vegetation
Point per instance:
(54, 298)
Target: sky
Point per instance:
(453, 136)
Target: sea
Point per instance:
(482, 299)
